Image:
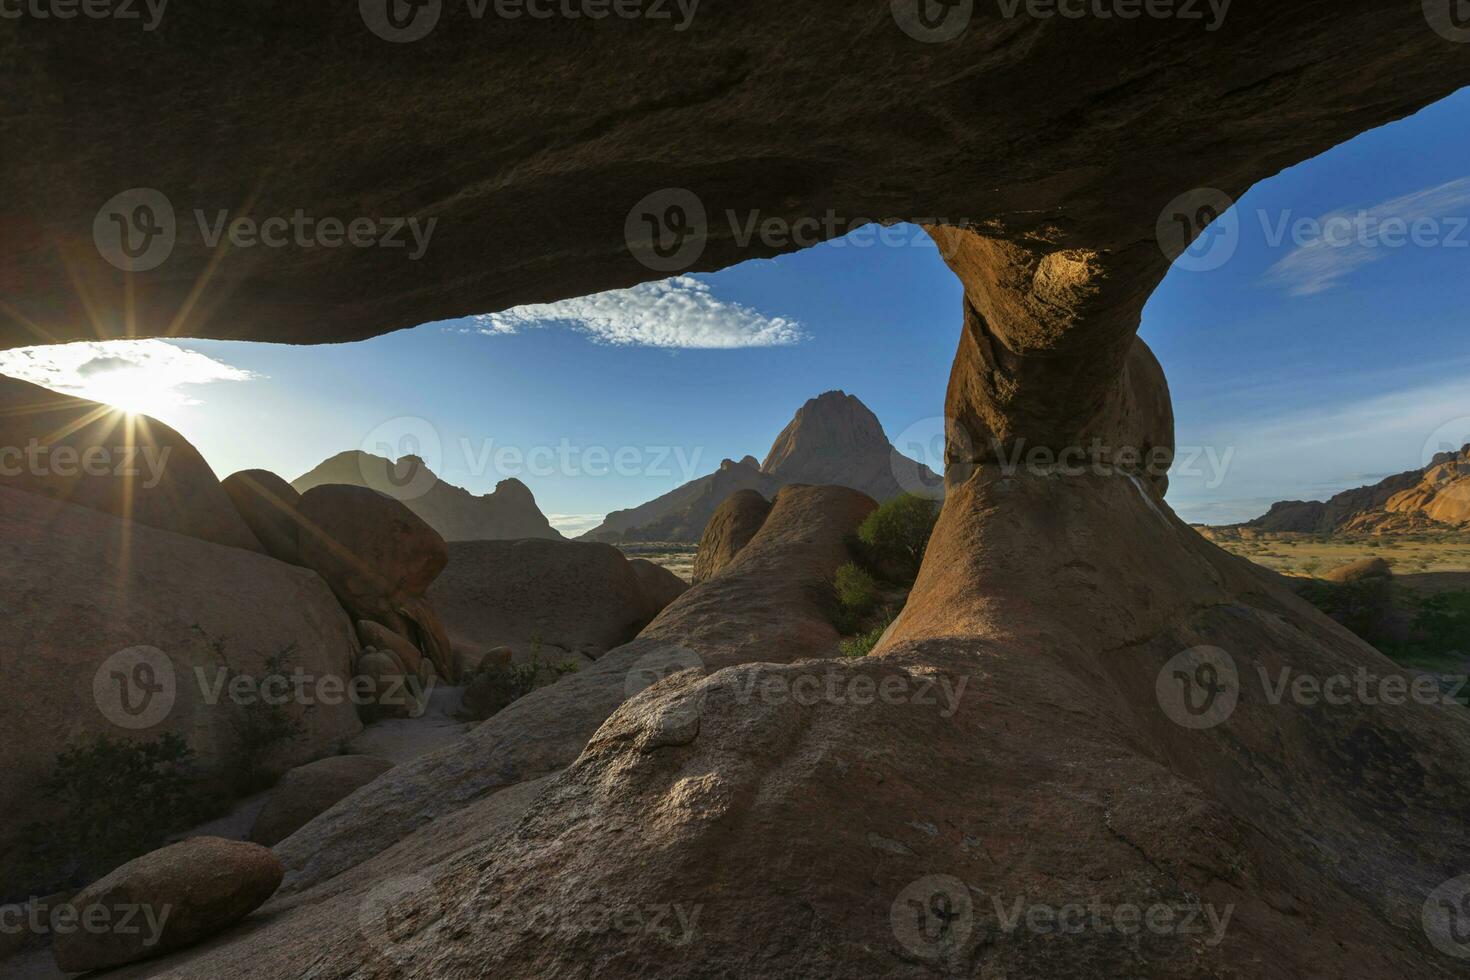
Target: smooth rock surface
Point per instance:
(309, 790)
(193, 890)
(268, 505)
(732, 527)
(563, 597)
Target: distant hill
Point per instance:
(1437, 496)
(833, 439)
(458, 515)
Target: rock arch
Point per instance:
(1042, 152)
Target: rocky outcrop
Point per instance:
(363, 877)
(1435, 497)
(119, 629)
(659, 586)
(1357, 571)
(356, 870)
(559, 597)
(731, 528)
(379, 560)
(776, 583)
(458, 515)
(74, 451)
(833, 440)
(309, 790)
(167, 900)
(1165, 810)
(268, 505)
(1442, 495)
(681, 514)
(1061, 777)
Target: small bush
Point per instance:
(857, 591)
(113, 801)
(895, 536)
(498, 686)
(863, 644)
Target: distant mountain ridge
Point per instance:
(1436, 496)
(833, 439)
(507, 514)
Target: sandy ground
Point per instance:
(1307, 554)
(402, 739)
(677, 558)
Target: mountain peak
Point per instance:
(834, 424)
(458, 515)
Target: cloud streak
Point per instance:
(678, 313)
(1342, 242)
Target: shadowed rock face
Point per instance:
(1051, 137)
(91, 597)
(731, 528)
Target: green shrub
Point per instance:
(497, 686)
(862, 644)
(895, 535)
(857, 591)
(113, 801)
(1442, 625)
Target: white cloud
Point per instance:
(1345, 241)
(136, 375)
(675, 313)
(574, 524)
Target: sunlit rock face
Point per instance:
(1055, 136)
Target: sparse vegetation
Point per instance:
(263, 722)
(497, 686)
(862, 644)
(113, 800)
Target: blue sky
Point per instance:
(1298, 367)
